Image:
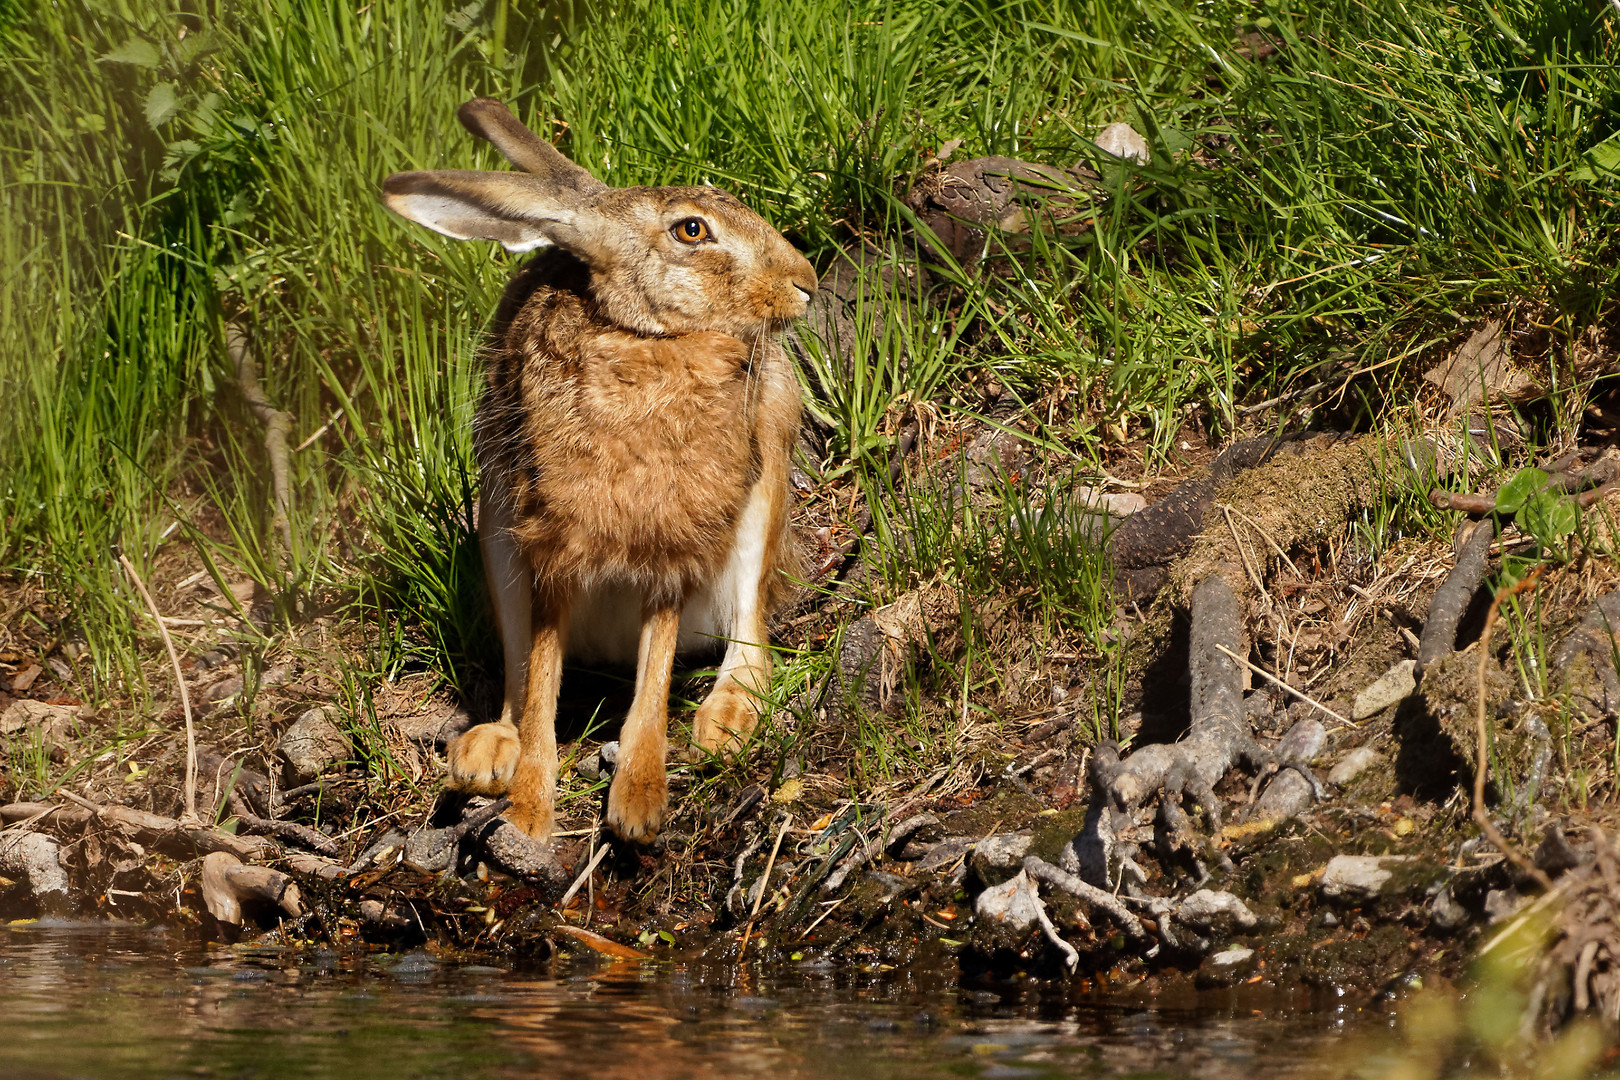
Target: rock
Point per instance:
(1391, 688)
(1207, 910)
(991, 455)
(433, 729)
(312, 745)
(1123, 141)
(1014, 903)
(36, 858)
(521, 854)
(1354, 879)
(1116, 504)
(1226, 967)
(996, 857)
(1446, 914)
(901, 832)
(943, 854)
(1354, 764)
(52, 725)
(1502, 903)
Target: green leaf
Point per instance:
(162, 102)
(137, 51)
(1512, 495)
(1548, 516)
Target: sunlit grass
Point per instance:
(1341, 210)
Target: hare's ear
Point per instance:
(489, 119)
(519, 211)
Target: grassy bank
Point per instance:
(1338, 194)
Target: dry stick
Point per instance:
(1306, 698)
(1481, 817)
(190, 817)
(584, 876)
(764, 883)
(277, 424)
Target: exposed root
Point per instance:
(1451, 600)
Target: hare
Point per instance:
(633, 447)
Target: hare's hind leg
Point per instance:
(640, 791)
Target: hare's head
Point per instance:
(666, 260)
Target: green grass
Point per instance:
(1343, 210)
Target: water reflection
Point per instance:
(131, 1003)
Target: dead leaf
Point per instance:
(1480, 369)
(603, 945)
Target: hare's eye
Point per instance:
(692, 230)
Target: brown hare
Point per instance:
(633, 445)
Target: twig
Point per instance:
(1482, 817)
(764, 883)
(834, 906)
(190, 817)
(313, 839)
(1071, 958)
(584, 876)
(1306, 698)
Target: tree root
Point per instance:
(1456, 592)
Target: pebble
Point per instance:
(1207, 909)
(998, 855)
(1393, 687)
(1354, 878)
(1445, 913)
(1230, 957)
(1014, 902)
(313, 744)
(1123, 141)
(1354, 764)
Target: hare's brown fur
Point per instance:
(633, 443)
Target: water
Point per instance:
(83, 1001)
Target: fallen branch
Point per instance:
(177, 838)
(1451, 599)
(288, 830)
(1059, 878)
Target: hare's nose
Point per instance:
(803, 293)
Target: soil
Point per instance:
(893, 875)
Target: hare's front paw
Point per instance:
(482, 760)
(726, 720)
(636, 803)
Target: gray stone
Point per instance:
(1230, 958)
(53, 724)
(1227, 967)
(1123, 141)
(998, 857)
(1445, 913)
(1352, 879)
(36, 859)
(516, 851)
(1393, 687)
(1354, 764)
(1502, 903)
(1014, 903)
(433, 729)
(1207, 910)
(944, 853)
(312, 745)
